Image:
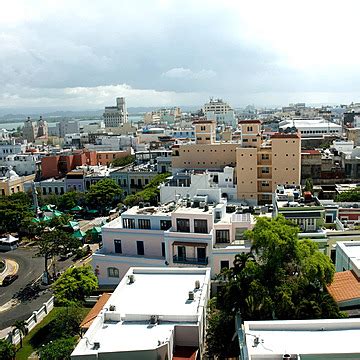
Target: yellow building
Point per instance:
(205, 152)
(13, 184)
(262, 165)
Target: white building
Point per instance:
(188, 185)
(220, 111)
(316, 127)
(76, 140)
(300, 339)
(187, 233)
(348, 256)
(9, 149)
(154, 313)
(23, 164)
(115, 116)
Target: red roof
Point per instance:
(285, 136)
(346, 286)
(94, 312)
(311, 152)
(249, 121)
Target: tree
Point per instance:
(123, 161)
(349, 196)
(7, 350)
(60, 349)
(283, 278)
(55, 242)
(74, 284)
(103, 195)
(67, 323)
(21, 327)
(309, 185)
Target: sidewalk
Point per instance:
(11, 267)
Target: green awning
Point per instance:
(46, 218)
(58, 213)
(96, 230)
(35, 220)
(79, 234)
(48, 207)
(73, 224)
(76, 208)
(92, 211)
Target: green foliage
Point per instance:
(74, 284)
(67, 323)
(15, 212)
(349, 196)
(103, 195)
(7, 350)
(123, 161)
(21, 327)
(63, 202)
(150, 193)
(56, 242)
(309, 185)
(286, 278)
(60, 349)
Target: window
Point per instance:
(144, 224)
(183, 225)
(239, 233)
(245, 140)
(140, 247)
(165, 224)
(265, 170)
(249, 128)
(224, 264)
(254, 140)
(113, 272)
(163, 249)
(202, 128)
(139, 183)
(117, 246)
(222, 236)
(265, 184)
(200, 226)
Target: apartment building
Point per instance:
(9, 148)
(154, 313)
(106, 157)
(220, 111)
(205, 152)
(189, 232)
(261, 165)
(299, 339)
(115, 116)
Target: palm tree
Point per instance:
(21, 327)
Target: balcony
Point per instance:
(190, 261)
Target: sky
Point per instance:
(83, 54)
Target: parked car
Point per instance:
(8, 279)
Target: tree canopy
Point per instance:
(74, 284)
(7, 350)
(282, 278)
(150, 193)
(123, 161)
(59, 349)
(352, 195)
(103, 195)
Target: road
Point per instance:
(30, 269)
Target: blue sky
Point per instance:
(83, 54)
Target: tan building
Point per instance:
(13, 183)
(205, 152)
(262, 165)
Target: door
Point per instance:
(181, 253)
(201, 254)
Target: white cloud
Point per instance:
(181, 73)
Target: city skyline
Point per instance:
(82, 56)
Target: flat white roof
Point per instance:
(352, 250)
(302, 337)
(163, 292)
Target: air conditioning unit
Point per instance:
(112, 308)
(191, 295)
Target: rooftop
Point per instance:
(345, 286)
(273, 339)
(144, 294)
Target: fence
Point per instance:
(32, 321)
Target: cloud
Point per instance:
(181, 73)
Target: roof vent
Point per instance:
(96, 345)
(197, 284)
(154, 319)
(112, 308)
(286, 357)
(131, 279)
(191, 295)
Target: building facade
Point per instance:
(115, 116)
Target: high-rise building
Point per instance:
(42, 128)
(30, 130)
(115, 116)
(220, 111)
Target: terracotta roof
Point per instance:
(346, 286)
(249, 122)
(94, 312)
(285, 135)
(311, 152)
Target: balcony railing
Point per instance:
(188, 260)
